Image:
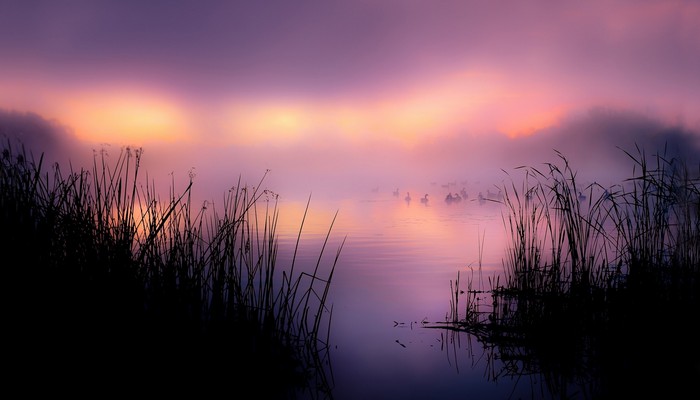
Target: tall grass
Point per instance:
(136, 289)
(593, 276)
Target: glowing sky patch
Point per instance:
(363, 82)
(125, 118)
(442, 106)
(272, 122)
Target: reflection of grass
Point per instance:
(600, 294)
(110, 285)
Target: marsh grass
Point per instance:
(600, 288)
(109, 284)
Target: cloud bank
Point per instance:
(594, 142)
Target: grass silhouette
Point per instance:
(600, 292)
(110, 288)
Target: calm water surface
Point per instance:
(393, 274)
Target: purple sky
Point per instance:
(359, 85)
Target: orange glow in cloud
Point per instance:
(406, 117)
(473, 102)
(476, 101)
(106, 115)
(410, 118)
(130, 118)
(529, 123)
(524, 78)
(346, 118)
(276, 122)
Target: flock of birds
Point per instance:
(451, 197)
(456, 197)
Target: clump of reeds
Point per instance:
(590, 270)
(658, 226)
(135, 288)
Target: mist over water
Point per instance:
(399, 258)
(354, 180)
(594, 144)
(349, 107)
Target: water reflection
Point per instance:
(393, 282)
(393, 275)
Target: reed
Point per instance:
(136, 289)
(588, 272)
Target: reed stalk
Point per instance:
(183, 294)
(590, 269)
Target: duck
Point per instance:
(424, 199)
(581, 196)
(453, 198)
(494, 196)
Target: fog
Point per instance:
(593, 142)
(341, 98)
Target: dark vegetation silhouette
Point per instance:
(109, 285)
(110, 288)
(600, 297)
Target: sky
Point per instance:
(327, 94)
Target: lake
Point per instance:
(394, 274)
